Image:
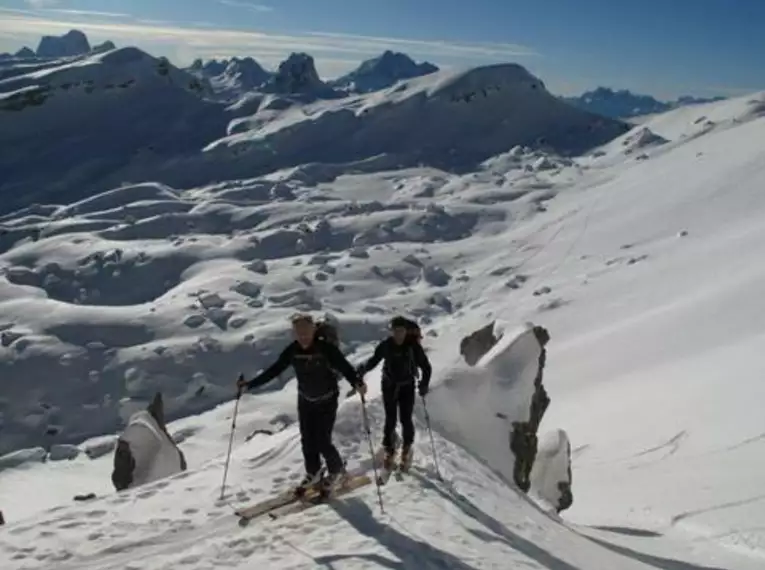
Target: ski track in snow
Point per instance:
(643, 258)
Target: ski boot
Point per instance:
(310, 481)
(389, 459)
(332, 482)
(405, 461)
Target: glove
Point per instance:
(361, 389)
(422, 389)
(241, 383)
(361, 370)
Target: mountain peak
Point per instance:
(74, 42)
(296, 75)
(383, 71)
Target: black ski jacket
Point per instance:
(401, 362)
(314, 368)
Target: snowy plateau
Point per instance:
(158, 226)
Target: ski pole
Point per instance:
(231, 438)
(432, 441)
(371, 450)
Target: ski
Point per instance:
(351, 484)
(246, 514)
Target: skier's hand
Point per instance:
(241, 384)
(361, 389)
(422, 389)
(360, 370)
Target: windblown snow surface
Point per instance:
(643, 259)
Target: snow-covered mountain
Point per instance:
(297, 75)
(382, 72)
(450, 120)
(96, 122)
(232, 77)
(147, 120)
(623, 104)
(638, 250)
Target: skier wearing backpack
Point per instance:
(402, 354)
(314, 360)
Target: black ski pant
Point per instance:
(317, 420)
(398, 401)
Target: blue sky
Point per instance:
(661, 47)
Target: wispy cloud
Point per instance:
(184, 42)
(88, 13)
(246, 5)
(41, 3)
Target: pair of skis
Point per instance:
(290, 502)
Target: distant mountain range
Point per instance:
(297, 76)
(623, 104)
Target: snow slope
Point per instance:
(647, 273)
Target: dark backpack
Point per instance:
(327, 332)
(413, 331)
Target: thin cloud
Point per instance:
(37, 4)
(190, 39)
(475, 47)
(88, 13)
(246, 5)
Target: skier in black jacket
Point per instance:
(402, 355)
(314, 362)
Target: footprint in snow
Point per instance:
(71, 524)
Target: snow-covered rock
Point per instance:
(22, 457)
(63, 452)
(551, 479)
(641, 138)
(499, 406)
(382, 72)
(145, 451)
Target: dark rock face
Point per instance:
(566, 494)
(475, 345)
(523, 440)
